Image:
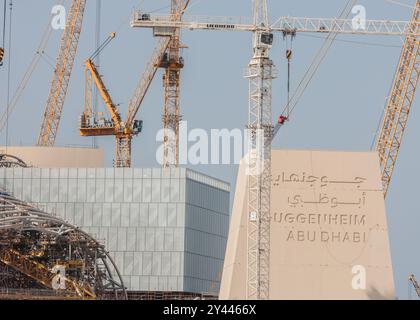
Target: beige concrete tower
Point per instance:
(329, 234)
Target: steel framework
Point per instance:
(10, 161)
(173, 63)
(400, 101)
(260, 74)
(282, 24)
(62, 73)
(35, 244)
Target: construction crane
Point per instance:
(62, 74)
(415, 284)
(124, 131)
(91, 126)
(400, 100)
(172, 62)
(261, 72)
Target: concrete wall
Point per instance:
(329, 234)
(58, 157)
(207, 223)
(166, 229)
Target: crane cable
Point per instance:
(315, 64)
(39, 53)
(102, 46)
(289, 55)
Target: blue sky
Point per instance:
(339, 111)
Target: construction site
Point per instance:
(317, 203)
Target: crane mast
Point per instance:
(400, 101)
(62, 73)
(172, 62)
(260, 74)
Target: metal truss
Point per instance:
(62, 73)
(282, 24)
(9, 161)
(36, 244)
(399, 104)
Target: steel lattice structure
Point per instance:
(173, 64)
(400, 101)
(260, 129)
(62, 73)
(39, 251)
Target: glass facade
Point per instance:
(166, 229)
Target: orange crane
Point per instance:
(400, 101)
(90, 125)
(124, 131)
(62, 73)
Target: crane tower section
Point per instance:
(260, 74)
(172, 62)
(400, 101)
(62, 73)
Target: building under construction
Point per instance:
(166, 229)
(304, 223)
(42, 256)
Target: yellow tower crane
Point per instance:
(399, 103)
(62, 73)
(124, 131)
(172, 62)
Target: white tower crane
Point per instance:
(260, 73)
